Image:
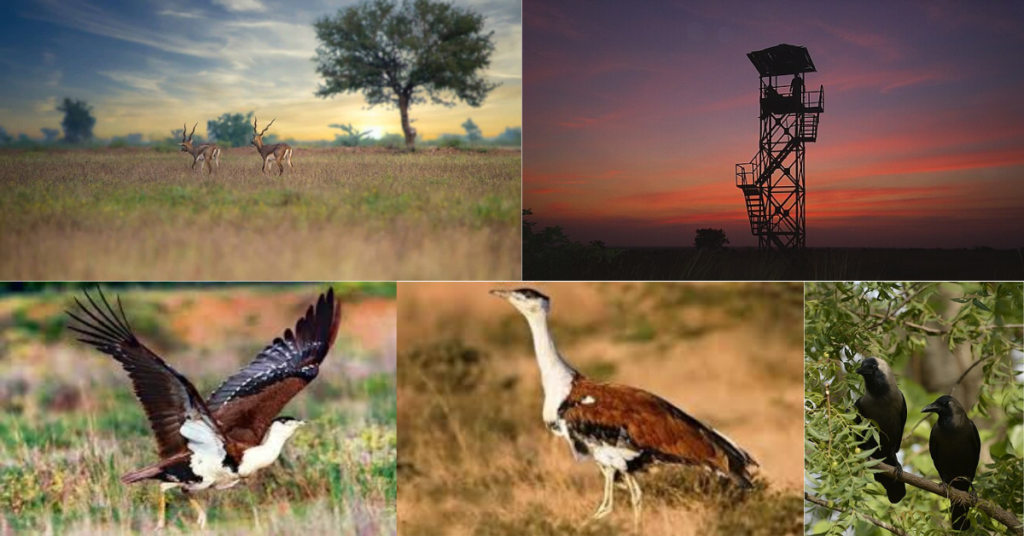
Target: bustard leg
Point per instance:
(635, 497)
(607, 501)
(161, 521)
(200, 512)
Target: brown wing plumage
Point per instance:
(167, 397)
(651, 424)
(247, 402)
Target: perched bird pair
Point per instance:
(954, 444)
(220, 441)
(622, 428)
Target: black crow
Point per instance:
(884, 404)
(955, 448)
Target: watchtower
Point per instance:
(773, 182)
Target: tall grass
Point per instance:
(339, 215)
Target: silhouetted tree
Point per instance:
(78, 121)
(5, 138)
(713, 239)
(352, 138)
(234, 130)
(399, 54)
(50, 134)
(473, 132)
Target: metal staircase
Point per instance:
(772, 182)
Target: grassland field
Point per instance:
(476, 459)
(341, 214)
(70, 425)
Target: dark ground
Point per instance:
(813, 264)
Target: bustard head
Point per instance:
(528, 301)
(282, 428)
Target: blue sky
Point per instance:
(147, 66)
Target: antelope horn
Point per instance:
(193, 131)
(183, 128)
(254, 121)
(268, 126)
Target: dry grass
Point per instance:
(143, 215)
(70, 426)
(476, 459)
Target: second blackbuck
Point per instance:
(279, 153)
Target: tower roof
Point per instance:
(781, 60)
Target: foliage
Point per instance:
(78, 121)
(400, 54)
(553, 247)
(5, 138)
(510, 136)
(352, 137)
(231, 130)
(898, 322)
(473, 132)
(710, 239)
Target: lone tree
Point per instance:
(473, 132)
(78, 121)
(234, 130)
(712, 239)
(399, 54)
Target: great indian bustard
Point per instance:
(220, 441)
(622, 428)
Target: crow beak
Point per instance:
(861, 370)
(930, 408)
(504, 294)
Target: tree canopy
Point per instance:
(400, 54)
(78, 120)
(710, 239)
(959, 339)
(231, 130)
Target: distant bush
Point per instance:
(710, 239)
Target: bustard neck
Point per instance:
(556, 375)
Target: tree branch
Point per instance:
(990, 508)
(821, 502)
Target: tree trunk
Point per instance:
(410, 137)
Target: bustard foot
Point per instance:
(636, 498)
(607, 501)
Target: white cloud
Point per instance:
(242, 5)
(180, 14)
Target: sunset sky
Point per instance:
(147, 66)
(635, 118)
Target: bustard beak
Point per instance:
(501, 293)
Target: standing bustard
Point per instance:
(622, 428)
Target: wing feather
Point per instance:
(651, 423)
(167, 397)
(253, 396)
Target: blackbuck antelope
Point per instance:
(207, 153)
(278, 152)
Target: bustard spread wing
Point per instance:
(247, 402)
(167, 397)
